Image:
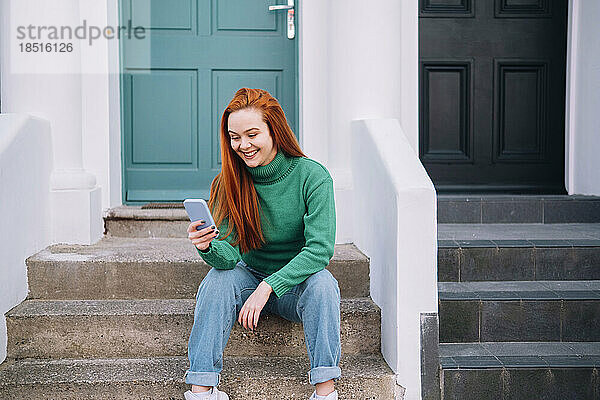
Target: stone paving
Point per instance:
(517, 231)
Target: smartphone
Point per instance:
(198, 209)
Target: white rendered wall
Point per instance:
(100, 105)
(313, 56)
(113, 173)
(49, 85)
(359, 60)
(583, 99)
(25, 167)
(397, 201)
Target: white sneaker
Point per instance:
(331, 396)
(215, 394)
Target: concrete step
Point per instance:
(542, 209)
(133, 221)
(148, 328)
(482, 371)
(519, 311)
(151, 268)
(490, 252)
(243, 378)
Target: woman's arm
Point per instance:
(220, 254)
(319, 235)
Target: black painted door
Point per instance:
(492, 94)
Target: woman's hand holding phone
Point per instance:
(202, 238)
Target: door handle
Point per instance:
(291, 25)
(280, 7)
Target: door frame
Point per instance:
(570, 93)
(297, 85)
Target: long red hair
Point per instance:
(232, 192)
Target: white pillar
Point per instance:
(583, 99)
(52, 89)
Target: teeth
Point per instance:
(250, 154)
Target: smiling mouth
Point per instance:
(250, 154)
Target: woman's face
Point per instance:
(250, 137)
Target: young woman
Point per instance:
(275, 214)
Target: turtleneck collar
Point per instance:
(275, 170)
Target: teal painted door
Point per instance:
(177, 81)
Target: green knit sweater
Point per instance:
(297, 215)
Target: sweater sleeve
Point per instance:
(221, 254)
(319, 235)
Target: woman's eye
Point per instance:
(252, 134)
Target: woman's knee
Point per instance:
(322, 285)
(221, 281)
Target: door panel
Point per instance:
(172, 110)
(520, 113)
(492, 94)
(176, 83)
(230, 17)
(447, 86)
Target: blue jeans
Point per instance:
(221, 295)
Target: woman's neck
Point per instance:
(271, 171)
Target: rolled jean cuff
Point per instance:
(202, 378)
(323, 374)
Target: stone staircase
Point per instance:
(519, 297)
(112, 320)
